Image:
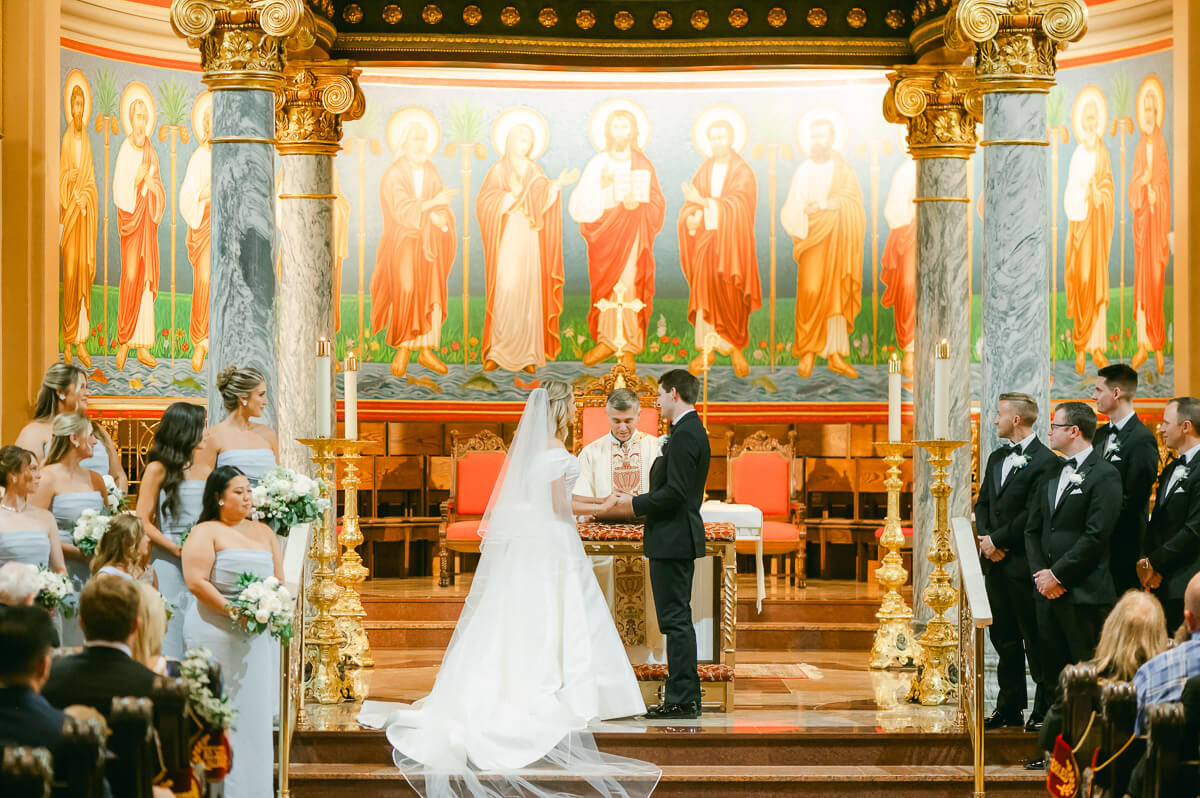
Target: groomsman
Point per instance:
(1130, 446)
(1173, 535)
(1071, 520)
(1015, 472)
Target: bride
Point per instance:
(535, 655)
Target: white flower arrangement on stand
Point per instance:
(89, 529)
(285, 499)
(57, 593)
(263, 605)
(194, 668)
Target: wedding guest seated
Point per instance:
(19, 584)
(1162, 678)
(26, 718)
(1188, 741)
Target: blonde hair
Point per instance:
(233, 383)
(1023, 404)
(562, 407)
(152, 626)
(119, 546)
(58, 379)
(61, 429)
(1133, 633)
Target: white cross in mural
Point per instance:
(620, 305)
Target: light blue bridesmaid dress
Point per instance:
(167, 565)
(30, 546)
(254, 463)
(67, 507)
(98, 462)
(246, 668)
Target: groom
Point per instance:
(674, 537)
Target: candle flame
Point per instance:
(894, 364)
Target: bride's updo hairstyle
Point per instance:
(236, 383)
(562, 407)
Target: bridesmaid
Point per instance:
(239, 441)
(66, 490)
(124, 550)
(220, 548)
(65, 390)
(169, 504)
(28, 534)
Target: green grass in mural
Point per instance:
(102, 335)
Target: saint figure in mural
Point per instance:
(194, 201)
(1150, 201)
(341, 247)
(620, 209)
(520, 220)
(825, 216)
(140, 199)
(1088, 204)
(416, 250)
(899, 261)
(77, 215)
(716, 240)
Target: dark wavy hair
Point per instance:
(179, 433)
(217, 482)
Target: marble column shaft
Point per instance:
(943, 257)
(1016, 257)
(242, 288)
(306, 296)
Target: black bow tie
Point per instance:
(1011, 448)
(1181, 460)
(1069, 461)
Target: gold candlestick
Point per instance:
(348, 610)
(936, 679)
(321, 637)
(894, 645)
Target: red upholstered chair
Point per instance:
(476, 464)
(591, 422)
(759, 473)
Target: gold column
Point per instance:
(894, 644)
(938, 107)
(317, 97)
(321, 636)
(348, 611)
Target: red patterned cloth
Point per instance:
(708, 672)
(722, 531)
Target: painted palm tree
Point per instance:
(775, 142)
(174, 104)
(465, 133)
(1058, 132)
(360, 136)
(107, 101)
(1122, 126)
(875, 148)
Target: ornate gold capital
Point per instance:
(1015, 41)
(940, 108)
(316, 97)
(243, 43)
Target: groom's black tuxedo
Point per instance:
(1135, 456)
(673, 539)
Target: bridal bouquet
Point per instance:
(284, 499)
(217, 712)
(57, 592)
(89, 529)
(114, 499)
(263, 605)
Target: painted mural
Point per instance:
(490, 233)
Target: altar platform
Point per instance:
(809, 717)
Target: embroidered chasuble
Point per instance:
(605, 465)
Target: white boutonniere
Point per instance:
(662, 440)
(1182, 471)
(1020, 461)
(1075, 479)
(1113, 447)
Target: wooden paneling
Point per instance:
(438, 471)
(408, 437)
(466, 429)
(405, 472)
(374, 431)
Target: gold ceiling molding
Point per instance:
(1015, 42)
(315, 99)
(939, 106)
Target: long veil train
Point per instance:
(534, 656)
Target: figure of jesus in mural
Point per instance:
(898, 264)
(1088, 204)
(416, 251)
(194, 200)
(140, 199)
(520, 219)
(1150, 201)
(620, 209)
(825, 216)
(77, 215)
(716, 240)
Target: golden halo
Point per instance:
(719, 113)
(1150, 85)
(76, 78)
(401, 119)
(1088, 94)
(827, 113)
(520, 115)
(137, 91)
(203, 103)
(604, 110)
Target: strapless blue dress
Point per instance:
(167, 566)
(67, 507)
(254, 463)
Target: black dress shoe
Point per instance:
(1000, 720)
(1035, 764)
(665, 711)
(1034, 724)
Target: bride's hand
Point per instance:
(610, 503)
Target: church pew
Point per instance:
(132, 742)
(1120, 749)
(26, 772)
(171, 721)
(1170, 772)
(1082, 721)
(82, 754)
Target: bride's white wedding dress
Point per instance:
(535, 655)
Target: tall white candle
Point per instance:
(894, 399)
(324, 387)
(941, 390)
(350, 372)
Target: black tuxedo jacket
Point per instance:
(1002, 510)
(1173, 534)
(1136, 460)
(672, 507)
(26, 718)
(1071, 537)
(94, 677)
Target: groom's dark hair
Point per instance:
(683, 383)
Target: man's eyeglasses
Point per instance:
(1063, 426)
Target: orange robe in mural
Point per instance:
(1151, 226)
(720, 263)
(77, 215)
(139, 244)
(898, 265)
(195, 207)
(1088, 203)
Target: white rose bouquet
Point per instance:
(89, 529)
(284, 499)
(263, 605)
(215, 711)
(114, 499)
(57, 592)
